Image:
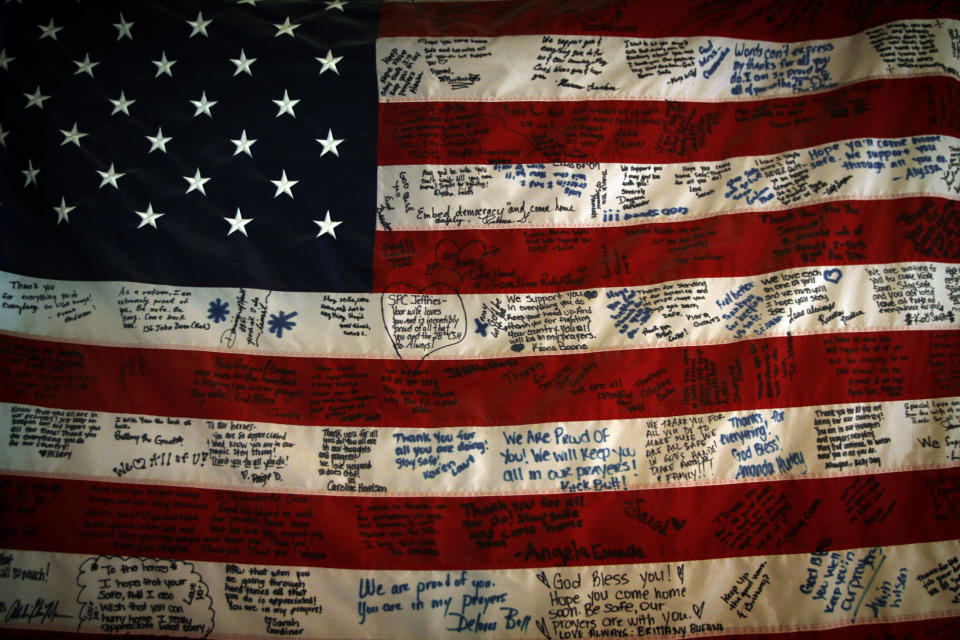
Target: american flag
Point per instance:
(498, 319)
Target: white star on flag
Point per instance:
(286, 105)
(123, 28)
(30, 173)
(49, 31)
(110, 176)
(158, 141)
(284, 185)
(285, 28)
(5, 59)
(85, 66)
(164, 65)
(120, 105)
(330, 144)
(149, 217)
(203, 105)
(199, 25)
(243, 144)
(63, 211)
(329, 62)
(336, 4)
(3, 137)
(238, 223)
(72, 136)
(196, 182)
(327, 226)
(243, 64)
(35, 100)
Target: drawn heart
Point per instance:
(423, 321)
(678, 524)
(542, 577)
(699, 610)
(832, 275)
(461, 260)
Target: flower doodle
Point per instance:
(218, 310)
(280, 322)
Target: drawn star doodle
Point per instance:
(481, 327)
(280, 322)
(218, 310)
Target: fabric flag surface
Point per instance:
(488, 319)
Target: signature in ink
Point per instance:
(40, 610)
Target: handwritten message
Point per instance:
(120, 594)
(419, 324)
(280, 595)
(462, 601)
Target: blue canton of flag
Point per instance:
(189, 143)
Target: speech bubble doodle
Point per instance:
(422, 322)
(124, 594)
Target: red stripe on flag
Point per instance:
(657, 131)
(762, 373)
(929, 629)
(646, 20)
(365, 532)
(546, 260)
